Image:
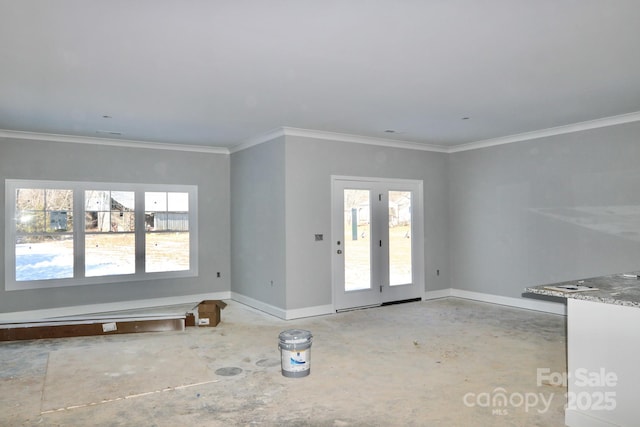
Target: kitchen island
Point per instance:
(603, 349)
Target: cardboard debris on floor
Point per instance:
(190, 320)
(209, 312)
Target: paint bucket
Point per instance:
(295, 352)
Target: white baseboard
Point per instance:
(526, 303)
(296, 313)
(51, 313)
(259, 305)
(440, 293)
(319, 310)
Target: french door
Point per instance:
(377, 241)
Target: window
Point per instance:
(44, 237)
(109, 233)
(76, 233)
(167, 231)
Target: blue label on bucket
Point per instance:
(295, 361)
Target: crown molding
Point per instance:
(334, 136)
(527, 136)
(369, 140)
(544, 133)
(329, 136)
(34, 136)
(257, 140)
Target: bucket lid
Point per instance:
(296, 335)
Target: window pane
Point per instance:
(123, 201)
(44, 242)
(167, 237)
(59, 221)
(109, 211)
(110, 254)
(97, 221)
(155, 201)
(29, 210)
(166, 252)
(44, 257)
(59, 200)
(29, 199)
(30, 221)
(167, 221)
(95, 200)
(122, 221)
(400, 238)
(39, 210)
(97, 215)
(176, 218)
(357, 240)
(122, 213)
(178, 202)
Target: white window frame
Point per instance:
(79, 189)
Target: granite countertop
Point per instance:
(619, 289)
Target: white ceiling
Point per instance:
(218, 73)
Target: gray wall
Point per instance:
(547, 210)
(23, 159)
(496, 219)
(309, 166)
(258, 223)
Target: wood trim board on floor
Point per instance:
(59, 313)
(83, 328)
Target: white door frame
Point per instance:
(418, 262)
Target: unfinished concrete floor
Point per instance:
(446, 362)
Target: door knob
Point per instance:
(339, 251)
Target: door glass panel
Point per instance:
(399, 238)
(357, 240)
